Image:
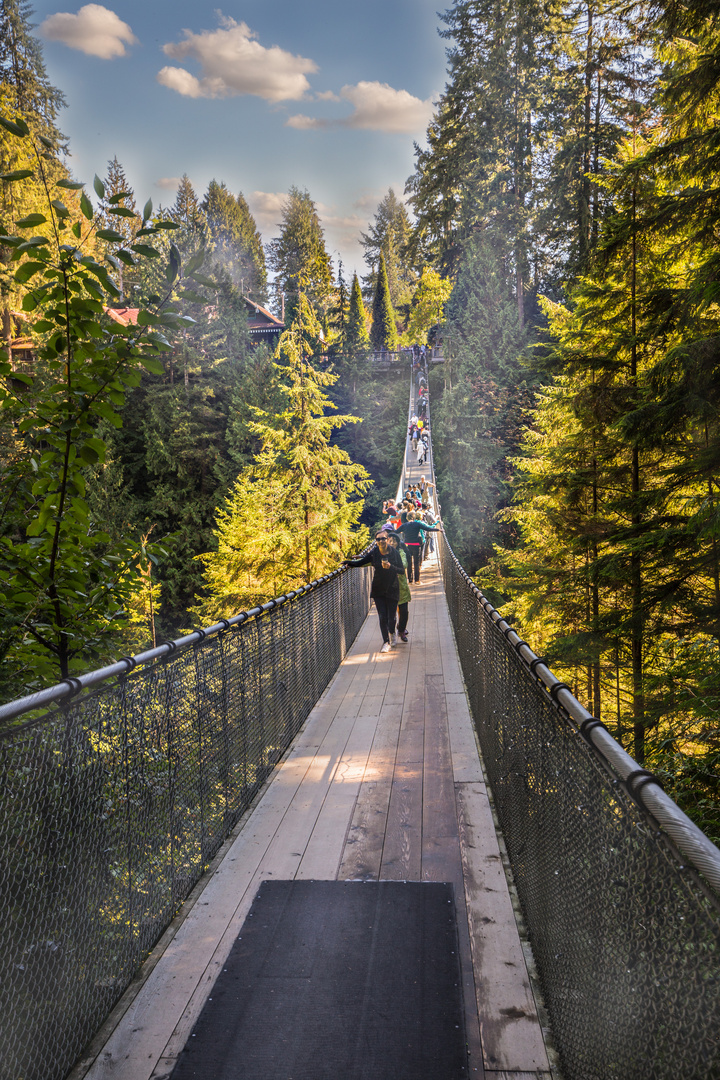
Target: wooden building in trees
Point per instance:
(263, 327)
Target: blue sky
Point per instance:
(261, 94)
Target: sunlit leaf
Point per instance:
(99, 186)
(31, 221)
(60, 208)
(121, 211)
(86, 206)
(70, 185)
(110, 234)
(147, 211)
(27, 270)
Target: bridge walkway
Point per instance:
(384, 781)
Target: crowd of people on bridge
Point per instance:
(401, 545)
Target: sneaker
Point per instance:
(404, 637)
(386, 647)
(393, 640)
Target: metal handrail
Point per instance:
(700, 851)
(72, 686)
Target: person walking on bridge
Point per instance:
(413, 533)
(385, 588)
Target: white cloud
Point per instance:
(377, 107)
(95, 30)
(232, 62)
(266, 207)
(168, 183)
(305, 123)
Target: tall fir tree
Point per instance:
(235, 239)
(389, 234)
(357, 338)
(294, 512)
(25, 89)
(118, 211)
(299, 258)
(383, 333)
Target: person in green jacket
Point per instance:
(405, 596)
(413, 533)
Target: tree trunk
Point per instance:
(636, 618)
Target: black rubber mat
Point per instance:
(336, 980)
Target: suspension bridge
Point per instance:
(146, 806)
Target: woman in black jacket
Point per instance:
(385, 589)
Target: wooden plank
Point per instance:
(463, 747)
(511, 1034)
(323, 852)
(438, 810)
(362, 854)
(402, 852)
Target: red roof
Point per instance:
(126, 316)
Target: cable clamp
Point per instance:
(518, 644)
(534, 663)
(130, 661)
(638, 779)
(589, 725)
(170, 646)
(74, 684)
(555, 690)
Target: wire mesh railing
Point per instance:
(619, 890)
(117, 789)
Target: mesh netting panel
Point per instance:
(625, 936)
(112, 805)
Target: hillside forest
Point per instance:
(558, 235)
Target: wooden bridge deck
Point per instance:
(383, 781)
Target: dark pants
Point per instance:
(386, 609)
(415, 553)
(402, 617)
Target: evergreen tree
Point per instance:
(389, 234)
(235, 239)
(383, 334)
(357, 339)
(22, 72)
(187, 212)
(293, 513)
(299, 258)
(477, 417)
(118, 212)
(26, 89)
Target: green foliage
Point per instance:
(383, 333)
(235, 240)
(299, 258)
(357, 338)
(65, 582)
(186, 431)
(293, 513)
(389, 234)
(428, 305)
